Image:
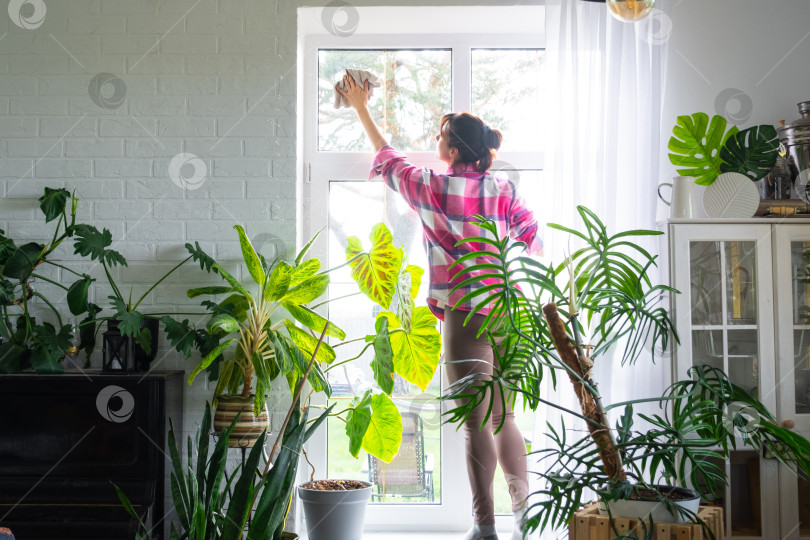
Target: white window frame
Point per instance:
(318, 168)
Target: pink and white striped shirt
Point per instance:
(445, 204)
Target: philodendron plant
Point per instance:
(703, 148)
(568, 317)
(271, 329)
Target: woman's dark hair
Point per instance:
(476, 142)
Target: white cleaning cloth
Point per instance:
(360, 77)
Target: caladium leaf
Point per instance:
(252, 261)
(383, 436)
(52, 203)
(377, 271)
(695, 146)
(751, 152)
(416, 353)
(357, 421)
(90, 242)
(77, 295)
(407, 289)
(383, 362)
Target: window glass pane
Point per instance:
(740, 282)
(414, 95)
(507, 89)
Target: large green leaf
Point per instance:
(254, 264)
(213, 289)
(304, 271)
(49, 347)
(695, 146)
(307, 344)
(376, 272)
(383, 362)
(384, 434)
(10, 357)
(52, 203)
(181, 335)
(22, 262)
(751, 152)
(6, 292)
(87, 330)
(232, 281)
(209, 358)
(223, 323)
(7, 247)
(206, 261)
(416, 353)
(313, 321)
(93, 243)
(307, 291)
(357, 421)
(77, 295)
(129, 322)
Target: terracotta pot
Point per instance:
(248, 428)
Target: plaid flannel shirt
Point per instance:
(445, 204)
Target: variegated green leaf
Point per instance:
(233, 281)
(279, 281)
(205, 362)
(416, 353)
(307, 291)
(377, 271)
(254, 264)
(313, 321)
(357, 421)
(307, 343)
(304, 271)
(222, 322)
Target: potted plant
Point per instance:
(253, 321)
(600, 301)
(25, 342)
(257, 496)
(129, 330)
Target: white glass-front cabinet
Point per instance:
(744, 306)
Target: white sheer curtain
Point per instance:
(603, 132)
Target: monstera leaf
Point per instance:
(751, 152)
(696, 144)
(375, 425)
(416, 353)
(377, 271)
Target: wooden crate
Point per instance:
(587, 524)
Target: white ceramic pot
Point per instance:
(639, 509)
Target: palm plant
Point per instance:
(566, 318)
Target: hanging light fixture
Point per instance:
(628, 10)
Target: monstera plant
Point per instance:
(596, 304)
(703, 148)
(272, 329)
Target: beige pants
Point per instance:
(484, 449)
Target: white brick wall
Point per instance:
(200, 76)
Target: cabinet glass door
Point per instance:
(793, 301)
(724, 316)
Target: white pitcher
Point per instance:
(682, 203)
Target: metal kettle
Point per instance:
(795, 138)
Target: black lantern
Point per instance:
(117, 352)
